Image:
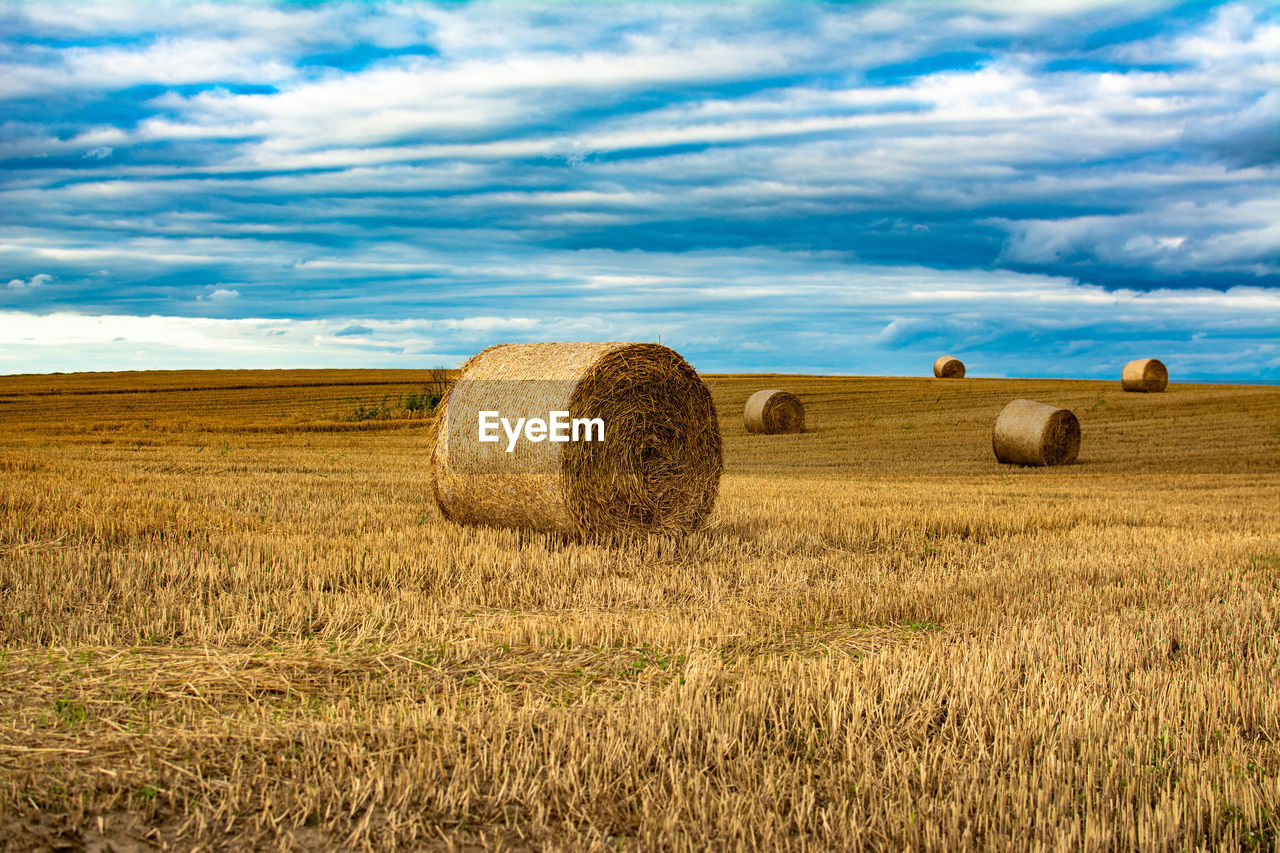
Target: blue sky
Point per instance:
(1043, 189)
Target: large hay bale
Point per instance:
(773, 411)
(1031, 433)
(1145, 374)
(657, 469)
(948, 367)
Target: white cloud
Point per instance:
(871, 320)
(1174, 238)
(167, 61)
(447, 181)
(37, 280)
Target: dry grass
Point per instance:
(228, 621)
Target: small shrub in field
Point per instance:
(362, 412)
(419, 402)
(415, 404)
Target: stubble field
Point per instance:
(231, 619)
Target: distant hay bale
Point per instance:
(773, 411)
(948, 367)
(657, 469)
(1031, 433)
(1145, 374)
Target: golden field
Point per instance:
(231, 619)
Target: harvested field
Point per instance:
(230, 618)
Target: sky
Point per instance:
(1041, 189)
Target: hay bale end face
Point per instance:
(1145, 374)
(1031, 433)
(772, 411)
(948, 367)
(657, 468)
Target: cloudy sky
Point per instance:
(1044, 189)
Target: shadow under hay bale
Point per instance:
(1145, 374)
(948, 367)
(772, 411)
(1031, 433)
(657, 468)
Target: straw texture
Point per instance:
(1145, 374)
(657, 470)
(773, 411)
(948, 367)
(1031, 433)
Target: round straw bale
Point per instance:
(773, 411)
(1031, 433)
(657, 469)
(948, 367)
(1145, 374)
